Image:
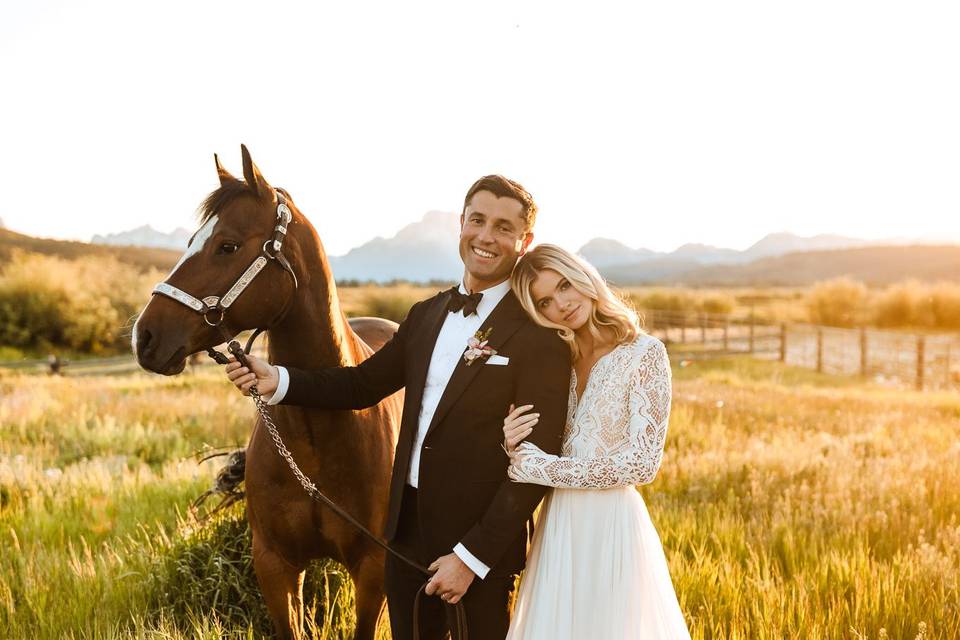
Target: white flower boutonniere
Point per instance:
(477, 347)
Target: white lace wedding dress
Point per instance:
(596, 568)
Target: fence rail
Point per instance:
(86, 366)
(925, 361)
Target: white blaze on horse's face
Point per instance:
(196, 244)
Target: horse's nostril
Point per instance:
(143, 340)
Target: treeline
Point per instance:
(845, 302)
(85, 305)
(838, 302)
(88, 304)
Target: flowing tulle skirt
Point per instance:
(596, 570)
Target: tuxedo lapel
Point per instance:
(504, 320)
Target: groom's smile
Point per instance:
(483, 254)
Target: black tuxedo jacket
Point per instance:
(464, 494)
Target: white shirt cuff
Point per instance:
(282, 385)
(471, 561)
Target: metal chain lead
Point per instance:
(305, 482)
(311, 489)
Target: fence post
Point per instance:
(703, 328)
(751, 329)
(819, 350)
(683, 327)
(863, 351)
(726, 333)
(921, 347)
(946, 361)
(783, 342)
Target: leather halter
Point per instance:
(272, 250)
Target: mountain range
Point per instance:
(405, 256)
(419, 252)
(146, 236)
(428, 250)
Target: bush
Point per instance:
(717, 304)
(84, 305)
(917, 304)
(945, 305)
(839, 302)
(900, 305)
(680, 301)
(664, 300)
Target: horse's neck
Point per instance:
(314, 333)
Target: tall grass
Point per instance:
(793, 509)
(790, 505)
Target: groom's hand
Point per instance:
(264, 375)
(451, 579)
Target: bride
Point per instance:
(596, 568)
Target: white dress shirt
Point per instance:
(449, 348)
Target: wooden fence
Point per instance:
(115, 364)
(921, 360)
(925, 361)
(84, 367)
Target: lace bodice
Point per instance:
(615, 433)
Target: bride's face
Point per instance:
(558, 301)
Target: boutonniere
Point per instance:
(477, 347)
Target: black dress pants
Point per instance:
(486, 602)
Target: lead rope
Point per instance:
(308, 485)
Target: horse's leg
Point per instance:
(368, 581)
(281, 584)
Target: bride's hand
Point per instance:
(517, 426)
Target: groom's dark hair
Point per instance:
(505, 188)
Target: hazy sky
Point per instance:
(656, 123)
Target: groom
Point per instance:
(451, 503)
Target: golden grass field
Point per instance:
(790, 505)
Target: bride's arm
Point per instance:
(638, 457)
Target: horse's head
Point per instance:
(234, 273)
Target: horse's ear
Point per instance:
(253, 177)
(224, 175)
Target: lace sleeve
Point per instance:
(633, 461)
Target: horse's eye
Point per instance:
(228, 247)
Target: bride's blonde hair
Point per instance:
(608, 310)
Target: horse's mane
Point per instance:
(226, 193)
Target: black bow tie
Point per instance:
(463, 301)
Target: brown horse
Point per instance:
(348, 454)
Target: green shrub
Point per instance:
(899, 305)
(664, 300)
(839, 302)
(945, 305)
(83, 305)
(717, 303)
